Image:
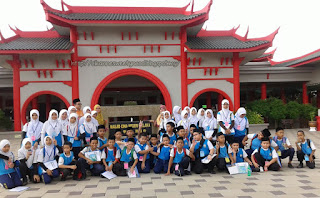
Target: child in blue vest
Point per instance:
(28, 166)
(163, 154)
(9, 177)
(72, 135)
(285, 149)
(179, 159)
(48, 166)
(142, 150)
(265, 157)
(130, 134)
(256, 140)
(238, 155)
(67, 163)
(170, 131)
(306, 150)
(101, 139)
(126, 159)
(223, 150)
(153, 144)
(111, 152)
(241, 126)
(90, 158)
(118, 139)
(202, 149)
(182, 133)
(87, 130)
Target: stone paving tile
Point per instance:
(186, 192)
(278, 192)
(215, 195)
(75, 193)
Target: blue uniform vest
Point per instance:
(179, 156)
(142, 148)
(76, 143)
(67, 160)
(256, 143)
(267, 155)
(110, 155)
(204, 149)
(239, 157)
(223, 152)
(126, 157)
(4, 171)
(280, 143)
(102, 142)
(305, 148)
(164, 153)
(186, 143)
(239, 133)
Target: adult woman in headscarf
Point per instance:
(99, 117)
(33, 128)
(200, 117)
(158, 121)
(241, 126)
(225, 120)
(176, 114)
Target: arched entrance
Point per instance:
(44, 101)
(211, 97)
(131, 80)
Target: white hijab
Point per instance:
(49, 150)
(65, 121)
(95, 121)
(184, 121)
(176, 115)
(34, 127)
(70, 108)
(22, 153)
(185, 108)
(193, 119)
(3, 143)
(72, 127)
(225, 111)
(89, 126)
(164, 121)
(211, 122)
(52, 125)
(84, 110)
(199, 116)
(240, 121)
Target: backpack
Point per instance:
(275, 139)
(254, 137)
(114, 151)
(175, 152)
(197, 152)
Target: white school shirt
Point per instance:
(172, 152)
(312, 146)
(225, 119)
(244, 153)
(242, 122)
(40, 156)
(210, 146)
(88, 149)
(23, 155)
(287, 141)
(137, 148)
(273, 144)
(274, 152)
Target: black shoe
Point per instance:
(300, 165)
(213, 172)
(24, 182)
(255, 169)
(187, 172)
(290, 165)
(63, 179)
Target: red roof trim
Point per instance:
(35, 51)
(36, 34)
(266, 58)
(306, 62)
(292, 59)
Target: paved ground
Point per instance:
(285, 183)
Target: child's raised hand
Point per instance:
(194, 142)
(140, 124)
(217, 146)
(35, 146)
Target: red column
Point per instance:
(220, 98)
(236, 79)
(184, 73)
(305, 99)
(318, 99)
(209, 100)
(263, 91)
(15, 64)
(74, 67)
(34, 103)
(48, 105)
(283, 96)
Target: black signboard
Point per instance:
(123, 125)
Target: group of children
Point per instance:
(64, 145)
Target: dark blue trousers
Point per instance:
(10, 180)
(161, 165)
(147, 167)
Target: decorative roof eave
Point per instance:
(232, 33)
(260, 47)
(286, 63)
(265, 57)
(11, 52)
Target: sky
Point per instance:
(298, 19)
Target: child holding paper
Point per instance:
(179, 159)
(47, 160)
(126, 159)
(90, 158)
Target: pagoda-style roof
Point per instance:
(265, 57)
(91, 14)
(298, 61)
(35, 42)
(223, 41)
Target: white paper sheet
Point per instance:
(109, 175)
(51, 165)
(238, 168)
(94, 155)
(19, 189)
(206, 160)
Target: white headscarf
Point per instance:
(51, 126)
(49, 150)
(184, 121)
(65, 121)
(225, 111)
(241, 111)
(238, 121)
(70, 108)
(176, 115)
(95, 121)
(72, 127)
(22, 152)
(193, 119)
(84, 110)
(34, 127)
(89, 126)
(3, 143)
(211, 122)
(165, 120)
(200, 117)
(185, 108)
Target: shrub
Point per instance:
(5, 122)
(293, 109)
(254, 117)
(308, 112)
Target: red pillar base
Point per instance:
(318, 123)
(263, 91)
